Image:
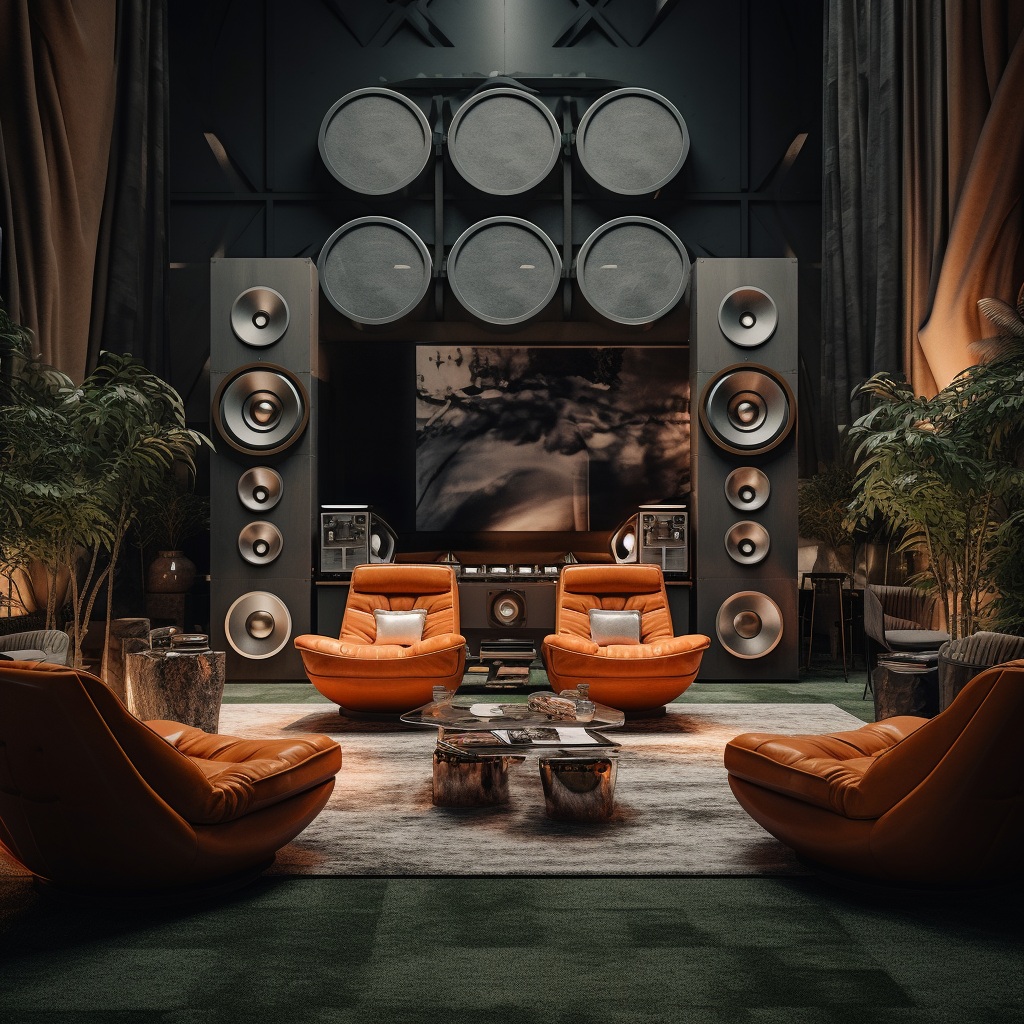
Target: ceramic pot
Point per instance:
(170, 573)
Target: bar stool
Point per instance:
(828, 587)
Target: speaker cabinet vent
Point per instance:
(747, 409)
(749, 625)
(261, 409)
(258, 625)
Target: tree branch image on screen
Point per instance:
(548, 439)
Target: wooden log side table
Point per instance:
(177, 686)
(905, 693)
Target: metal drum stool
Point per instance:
(578, 787)
(463, 779)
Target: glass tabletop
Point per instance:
(488, 716)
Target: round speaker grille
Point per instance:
(747, 488)
(374, 270)
(504, 270)
(260, 543)
(259, 316)
(258, 625)
(375, 141)
(746, 409)
(509, 608)
(748, 317)
(632, 141)
(747, 542)
(504, 141)
(260, 488)
(261, 409)
(749, 625)
(633, 270)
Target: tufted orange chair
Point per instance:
(906, 800)
(630, 677)
(362, 675)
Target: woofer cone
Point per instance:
(260, 543)
(259, 317)
(625, 541)
(748, 316)
(258, 625)
(508, 608)
(261, 409)
(260, 488)
(747, 488)
(746, 409)
(749, 625)
(747, 542)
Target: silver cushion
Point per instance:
(612, 626)
(400, 627)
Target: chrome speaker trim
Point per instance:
(749, 625)
(747, 489)
(747, 542)
(508, 608)
(748, 316)
(747, 409)
(259, 543)
(258, 625)
(260, 316)
(261, 409)
(625, 541)
(260, 488)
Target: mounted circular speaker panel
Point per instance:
(374, 270)
(632, 141)
(748, 317)
(747, 488)
(260, 543)
(258, 625)
(261, 409)
(624, 541)
(746, 409)
(375, 141)
(508, 608)
(747, 542)
(259, 317)
(749, 625)
(260, 488)
(633, 270)
(504, 141)
(504, 270)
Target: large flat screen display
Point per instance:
(548, 439)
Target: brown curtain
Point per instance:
(963, 176)
(57, 86)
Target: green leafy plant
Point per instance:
(824, 502)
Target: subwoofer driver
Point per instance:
(261, 409)
(747, 409)
(508, 608)
(258, 625)
(260, 543)
(749, 625)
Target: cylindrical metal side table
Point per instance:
(579, 788)
(470, 780)
(177, 686)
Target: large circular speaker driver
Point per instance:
(260, 543)
(261, 409)
(633, 270)
(374, 270)
(748, 317)
(259, 316)
(375, 141)
(504, 141)
(260, 488)
(747, 543)
(258, 625)
(749, 625)
(508, 608)
(746, 409)
(632, 141)
(504, 270)
(747, 488)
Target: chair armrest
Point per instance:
(571, 642)
(433, 644)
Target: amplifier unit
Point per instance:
(656, 535)
(352, 535)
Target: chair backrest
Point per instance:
(53, 642)
(401, 588)
(983, 649)
(874, 616)
(910, 604)
(640, 587)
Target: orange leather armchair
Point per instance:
(359, 674)
(908, 799)
(630, 677)
(94, 799)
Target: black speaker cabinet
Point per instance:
(263, 503)
(492, 610)
(743, 464)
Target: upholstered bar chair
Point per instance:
(899, 619)
(49, 645)
(399, 639)
(93, 799)
(632, 673)
(961, 660)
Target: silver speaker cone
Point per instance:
(260, 543)
(747, 409)
(749, 625)
(258, 625)
(259, 317)
(748, 317)
(261, 409)
(747, 542)
(747, 488)
(260, 488)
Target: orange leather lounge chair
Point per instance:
(905, 800)
(93, 799)
(630, 677)
(364, 676)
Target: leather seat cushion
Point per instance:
(915, 639)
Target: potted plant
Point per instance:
(169, 515)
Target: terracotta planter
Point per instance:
(170, 573)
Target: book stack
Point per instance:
(909, 662)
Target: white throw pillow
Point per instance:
(400, 627)
(612, 626)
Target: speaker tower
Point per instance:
(743, 366)
(263, 502)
